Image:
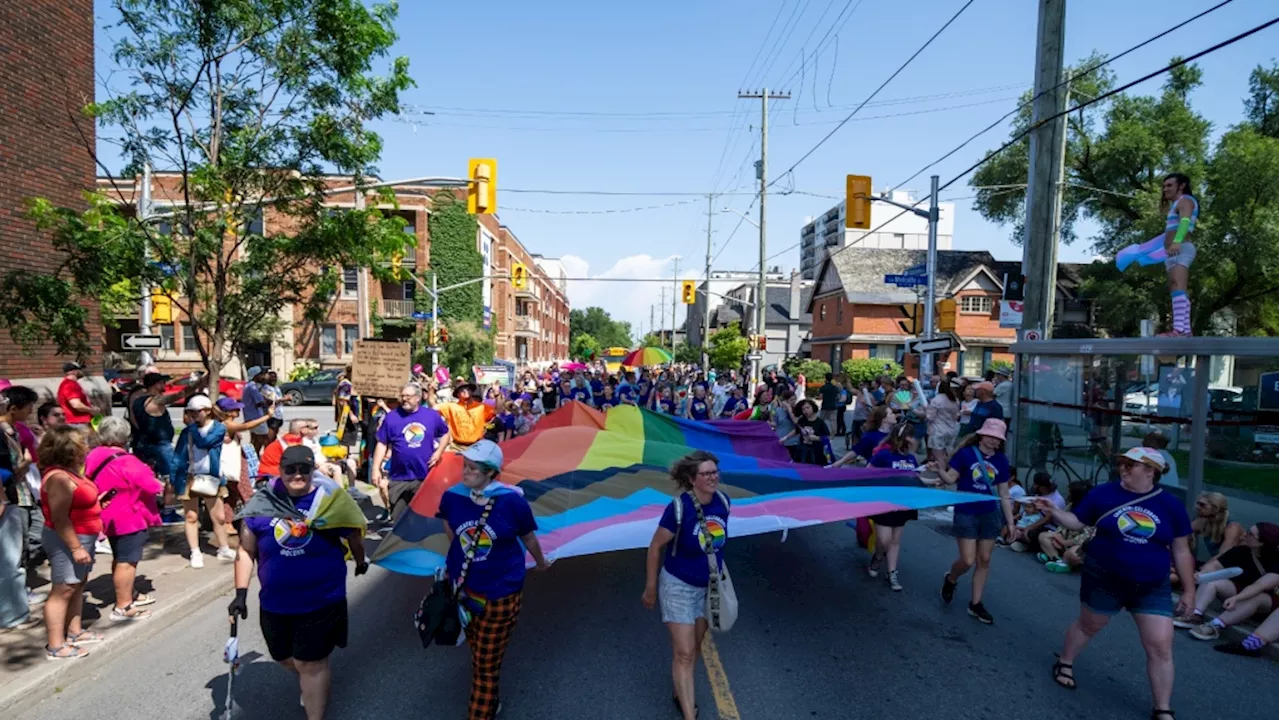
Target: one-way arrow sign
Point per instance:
(942, 344)
(134, 341)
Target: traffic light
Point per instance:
(857, 202)
(945, 315)
(762, 343)
(444, 335)
(519, 276)
(161, 309)
(482, 190)
(688, 292)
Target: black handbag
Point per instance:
(437, 616)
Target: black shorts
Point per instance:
(309, 636)
(128, 548)
(399, 494)
(895, 518)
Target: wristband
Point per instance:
(1184, 226)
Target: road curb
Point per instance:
(41, 682)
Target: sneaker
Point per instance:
(894, 585)
(1187, 621)
(1057, 566)
(1235, 648)
(1018, 546)
(1205, 631)
(102, 547)
(171, 517)
(226, 553)
(948, 588)
(1174, 333)
(36, 598)
(197, 559)
(873, 569)
(979, 611)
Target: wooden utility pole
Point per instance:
(765, 96)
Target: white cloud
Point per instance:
(628, 301)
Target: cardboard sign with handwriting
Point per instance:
(380, 369)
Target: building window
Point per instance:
(840, 310)
(885, 352)
(328, 341)
(166, 337)
(822, 311)
(976, 305)
(971, 363)
(350, 283)
(410, 289)
(188, 338)
(350, 333)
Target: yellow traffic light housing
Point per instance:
(519, 276)
(857, 202)
(688, 292)
(482, 190)
(444, 335)
(945, 315)
(161, 309)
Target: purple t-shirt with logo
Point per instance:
(497, 568)
(412, 439)
(299, 569)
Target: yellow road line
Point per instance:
(725, 704)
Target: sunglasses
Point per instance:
(297, 469)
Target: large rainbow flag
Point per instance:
(598, 482)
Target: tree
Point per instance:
(598, 324)
(686, 353)
(251, 103)
(582, 346)
(468, 345)
(728, 348)
(455, 258)
(1118, 153)
(860, 370)
(653, 340)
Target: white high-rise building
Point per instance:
(826, 234)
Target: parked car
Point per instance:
(122, 383)
(227, 387)
(317, 389)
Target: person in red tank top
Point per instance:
(72, 523)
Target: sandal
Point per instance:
(1155, 714)
(129, 612)
(142, 599)
(84, 637)
(1064, 673)
(676, 701)
(64, 652)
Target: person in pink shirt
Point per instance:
(127, 489)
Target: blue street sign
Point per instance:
(420, 315)
(916, 270)
(165, 268)
(906, 280)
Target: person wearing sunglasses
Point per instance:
(302, 571)
(1138, 529)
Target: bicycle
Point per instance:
(1098, 456)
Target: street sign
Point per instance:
(432, 348)
(942, 344)
(755, 357)
(906, 280)
(420, 315)
(916, 270)
(167, 269)
(135, 341)
(1032, 335)
(1011, 313)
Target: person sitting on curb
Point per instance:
(1256, 557)
(1266, 633)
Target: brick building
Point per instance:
(330, 343)
(531, 325)
(46, 79)
(857, 315)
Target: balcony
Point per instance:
(392, 309)
(527, 294)
(527, 327)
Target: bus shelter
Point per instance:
(1211, 401)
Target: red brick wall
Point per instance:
(46, 78)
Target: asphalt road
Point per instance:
(816, 638)
(322, 414)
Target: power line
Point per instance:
(609, 211)
(1086, 71)
(888, 80)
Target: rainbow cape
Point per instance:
(332, 509)
(599, 482)
(1150, 252)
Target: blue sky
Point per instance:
(641, 97)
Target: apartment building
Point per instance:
(891, 229)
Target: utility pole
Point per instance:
(931, 273)
(650, 318)
(662, 310)
(435, 319)
(144, 307)
(362, 283)
(1044, 177)
(706, 295)
(675, 292)
(765, 96)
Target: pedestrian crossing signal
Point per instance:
(688, 292)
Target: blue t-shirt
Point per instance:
(699, 409)
(979, 474)
(891, 459)
(412, 439)
(667, 405)
(731, 406)
(597, 389)
(607, 402)
(300, 569)
(625, 393)
(1133, 540)
(580, 394)
(688, 560)
(643, 388)
(866, 445)
(254, 402)
(497, 570)
(983, 411)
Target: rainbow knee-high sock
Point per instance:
(1181, 312)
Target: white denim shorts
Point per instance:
(1185, 257)
(681, 602)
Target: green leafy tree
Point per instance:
(251, 103)
(728, 348)
(468, 345)
(597, 323)
(652, 340)
(455, 258)
(1117, 155)
(686, 353)
(583, 347)
(861, 370)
